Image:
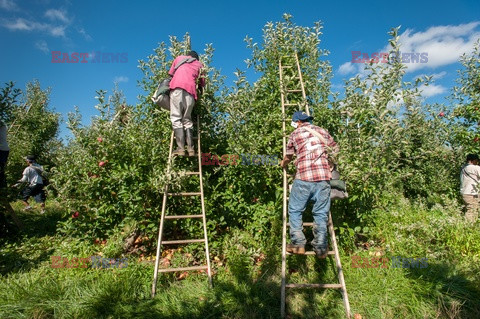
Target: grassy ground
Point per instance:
(247, 275)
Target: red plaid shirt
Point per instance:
(312, 160)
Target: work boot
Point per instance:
(320, 253)
(180, 139)
(189, 138)
(296, 249)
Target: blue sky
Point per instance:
(31, 30)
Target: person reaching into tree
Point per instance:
(32, 176)
(185, 71)
(312, 182)
(469, 183)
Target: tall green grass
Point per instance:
(247, 275)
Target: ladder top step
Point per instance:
(183, 216)
(182, 241)
(185, 194)
(334, 286)
(183, 269)
(304, 224)
(192, 173)
(311, 252)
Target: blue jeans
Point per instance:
(302, 192)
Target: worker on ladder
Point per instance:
(311, 145)
(183, 94)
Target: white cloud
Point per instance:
(119, 79)
(42, 46)
(84, 34)
(438, 76)
(8, 5)
(19, 24)
(443, 44)
(54, 14)
(26, 25)
(347, 68)
(57, 31)
(432, 90)
(435, 76)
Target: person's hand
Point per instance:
(283, 164)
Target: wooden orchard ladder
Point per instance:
(166, 195)
(290, 97)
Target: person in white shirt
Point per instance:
(32, 176)
(469, 187)
(4, 150)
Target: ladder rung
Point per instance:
(293, 91)
(304, 224)
(182, 241)
(192, 173)
(291, 104)
(335, 286)
(185, 194)
(183, 216)
(183, 269)
(311, 252)
(287, 66)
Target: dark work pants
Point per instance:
(3, 164)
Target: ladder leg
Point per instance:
(304, 95)
(285, 189)
(341, 279)
(284, 103)
(284, 245)
(162, 218)
(202, 197)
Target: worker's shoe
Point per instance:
(180, 140)
(296, 249)
(189, 139)
(320, 253)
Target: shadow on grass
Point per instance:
(457, 297)
(40, 225)
(17, 253)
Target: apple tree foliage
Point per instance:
(466, 97)
(32, 127)
(393, 144)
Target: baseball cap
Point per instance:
(193, 54)
(301, 116)
(472, 157)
